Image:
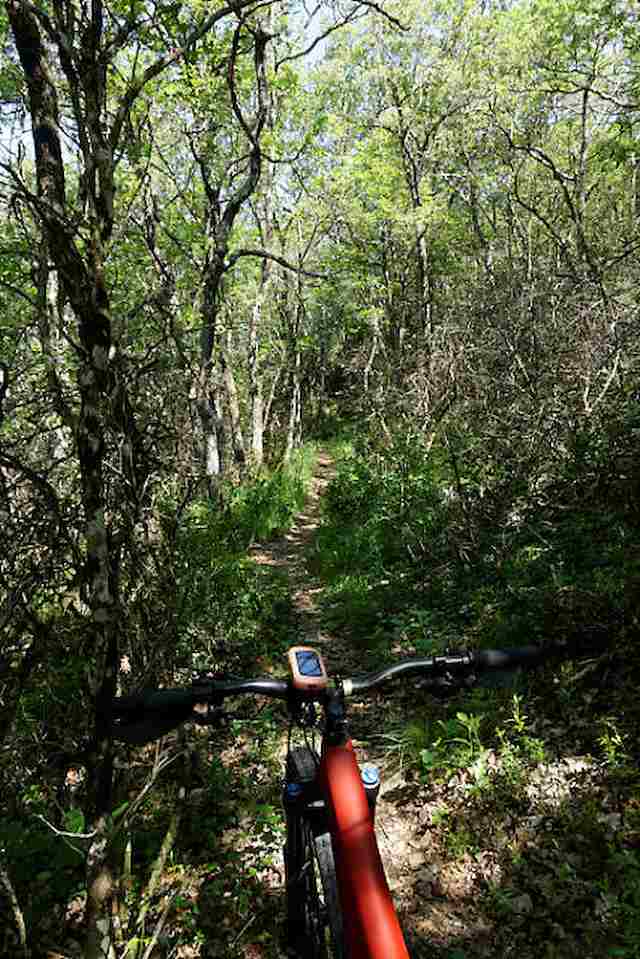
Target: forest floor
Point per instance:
(408, 860)
(513, 851)
(508, 822)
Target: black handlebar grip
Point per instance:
(147, 716)
(509, 658)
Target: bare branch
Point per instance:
(356, 14)
(66, 835)
(603, 392)
(265, 255)
(352, 17)
(383, 13)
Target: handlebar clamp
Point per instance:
(208, 707)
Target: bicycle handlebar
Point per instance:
(484, 659)
(146, 716)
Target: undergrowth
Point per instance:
(229, 610)
(535, 778)
(226, 614)
(530, 784)
(414, 551)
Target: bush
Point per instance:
(436, 547)
(381, 508)
(227, 608)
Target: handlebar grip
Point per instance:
(148, 715)
(509, 658)
(141, 718)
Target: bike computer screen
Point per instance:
(307, 668)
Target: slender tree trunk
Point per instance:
(256, 411)
(221, 220)
(208, 402)
(102, 401)
(424, 322)
(394, 329)
(295, 408)
(256, 402)
(277, 376)
(294, 427)
(233, 405)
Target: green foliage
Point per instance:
(500, 567)
(458, 204)
(43, 866)
(379, 514)
(227, 607)
(456, 745)
(613, 742)
(621, 896)
(266, 506)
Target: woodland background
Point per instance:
(232, 229)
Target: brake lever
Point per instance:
(446, 684)
(210, 714)
(208, 709)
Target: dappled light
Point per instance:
(319, 326)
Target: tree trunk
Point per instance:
(256, 411)
(233, 405)
(295, 409)
(425, 321)
(221, 220)
(208, 402)
(256, 403)
(103, 403)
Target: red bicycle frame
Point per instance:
(370, 923)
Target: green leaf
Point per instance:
(120, 810)
(74, 821)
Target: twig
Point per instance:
(159, 926)
(136, 802)
(18, 916)
(242, 931)
(383, 13)
(607, 384)
(157, 870)
(68, 835)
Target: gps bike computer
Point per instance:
(307, 669)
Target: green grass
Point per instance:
(409, 572)
(229, 610)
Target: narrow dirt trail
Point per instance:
(402, 815)
(291, 553)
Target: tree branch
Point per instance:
(265, 255)
(355, 14)
(161, 64)
(377, 8)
